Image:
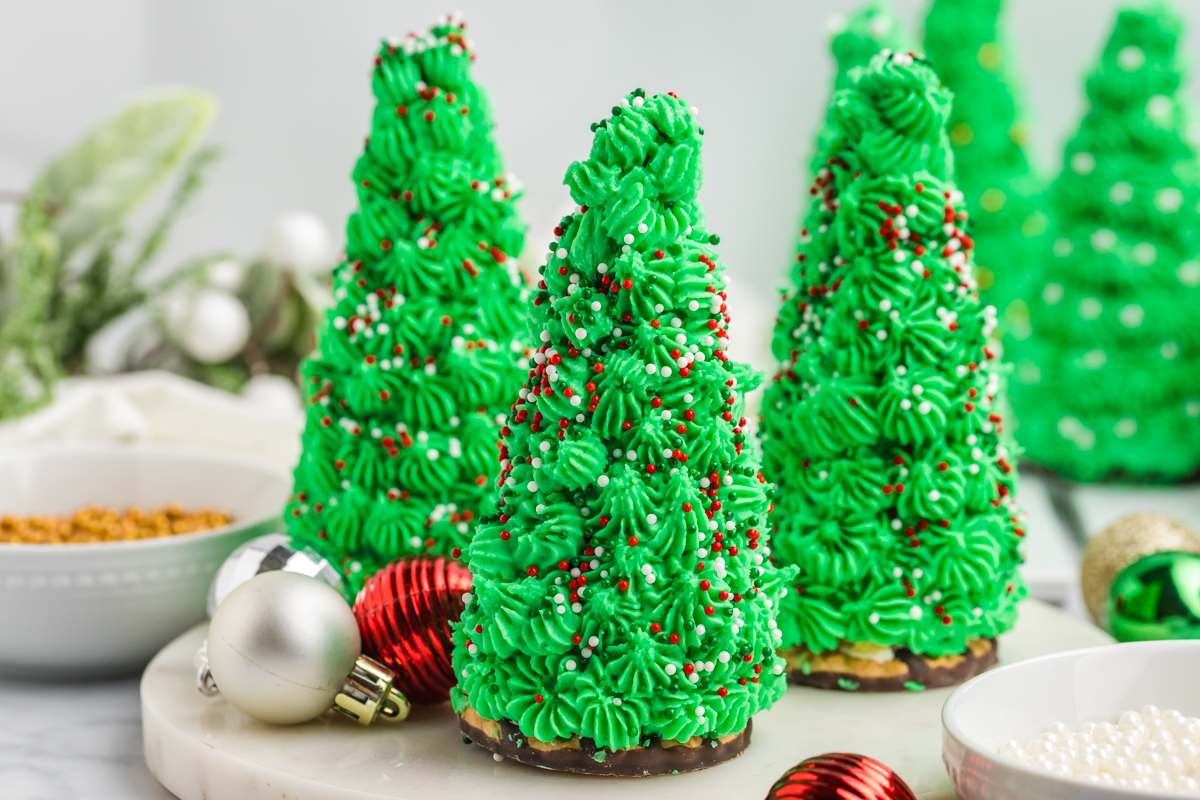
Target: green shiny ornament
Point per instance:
(1156, 597)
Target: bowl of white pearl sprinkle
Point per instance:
(1119, 721)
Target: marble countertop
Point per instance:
(83, 741)
(74, 741)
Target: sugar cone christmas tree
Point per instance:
(420, 355)
(894, 495)
(1109, 383)
(855, 40)
(965, 43)
(623, 599)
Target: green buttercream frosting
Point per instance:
(894, 494)
(1108, 385)
(625, 589)
(965, 42)
(854, 41)
(419, 358)
(857, 38)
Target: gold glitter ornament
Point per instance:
(1120, 545)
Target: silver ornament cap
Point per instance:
(275, 551)
(281, 646)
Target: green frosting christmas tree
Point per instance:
(419, 357)
(1109, 383)
(855, 40)
(964, 41)
(624, 593)
(894, 493)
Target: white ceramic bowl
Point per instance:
(85, 610)
(1018, 701)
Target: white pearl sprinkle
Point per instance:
(1144, 749)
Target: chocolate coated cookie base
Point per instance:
(580, 755)
(916, 671)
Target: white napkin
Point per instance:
(263, 423)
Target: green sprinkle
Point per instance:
(599, 757)
(806, 668)
(848, 685)
(913, 686)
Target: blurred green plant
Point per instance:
(63, 272)
(72, 276)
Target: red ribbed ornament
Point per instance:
(404, 613)
(840, 776)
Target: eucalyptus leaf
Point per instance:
(89, 190)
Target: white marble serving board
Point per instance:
(202, 748)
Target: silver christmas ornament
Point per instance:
(213, 327)
(275, 551)
(284, 648)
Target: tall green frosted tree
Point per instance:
(623, 595)
(965, 42)
(1108, 386)
(894, 494)
(420, 355)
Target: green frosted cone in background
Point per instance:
(423, 350)
(1108, 384)
(965, 42)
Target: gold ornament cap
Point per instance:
(1122, 543)
(369, 694)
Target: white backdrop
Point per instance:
(292, 80)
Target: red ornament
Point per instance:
(404, 613)
(840, 776)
